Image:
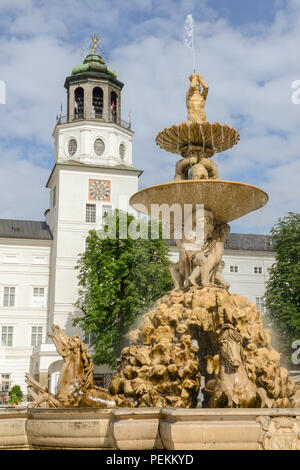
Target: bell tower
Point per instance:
(93, 132)
(94, 91)
(92, 175)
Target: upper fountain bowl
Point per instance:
(211, 138)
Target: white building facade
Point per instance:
(93, 174)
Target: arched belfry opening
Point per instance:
(94, 92)
(113, 106)
(79, 103)
(97, 110)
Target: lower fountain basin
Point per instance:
(69, 428)
(231, 429)
(228, 200)
(151, 428)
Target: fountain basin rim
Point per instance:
(230, 411)
(178, 411)
(229, 200)
(211, 136)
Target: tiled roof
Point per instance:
(31, 229)
(247, 242)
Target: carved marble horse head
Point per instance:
(61, 340)
(229, 342)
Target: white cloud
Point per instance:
(23, 192)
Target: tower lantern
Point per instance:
(93, 131)
(94, 92)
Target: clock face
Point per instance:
(99, 190)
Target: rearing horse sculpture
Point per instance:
(76, 382)
(232, 387)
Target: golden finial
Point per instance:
(94, 45)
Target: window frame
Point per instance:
(9, 296)
(43, 302)
(257, 270)
(4, 380)
(103, 209)
(235, 269)
(7, 334)
(88, 213)
(37, 334)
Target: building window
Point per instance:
(7, 335)
(9, 297)
(39, 296)
(257, 270)
(72, 147)
(89, 338)
(36, 335)
(5, 382)
(79, 103)
(90, 213)
(97, 103)
(260, 304)
(106, 210)
(99, 147)
(234, 269)
(102, 380)
(122, 151)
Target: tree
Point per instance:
(15, 394)
(119, 279)
(282, 297)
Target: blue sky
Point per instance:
(248, 52)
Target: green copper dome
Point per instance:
(93, 63)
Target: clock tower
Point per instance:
(93, 173)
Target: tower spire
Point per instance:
(94, 45)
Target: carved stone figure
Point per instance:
(232, 387)
(196, 167)
(196, 98)
(76, 382)
(201, 264)
(206, 264)
(279, 433)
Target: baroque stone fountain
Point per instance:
(199, 329)
(198, 337)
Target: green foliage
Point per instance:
(282, 297)
(119, 279)
(15, 394)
